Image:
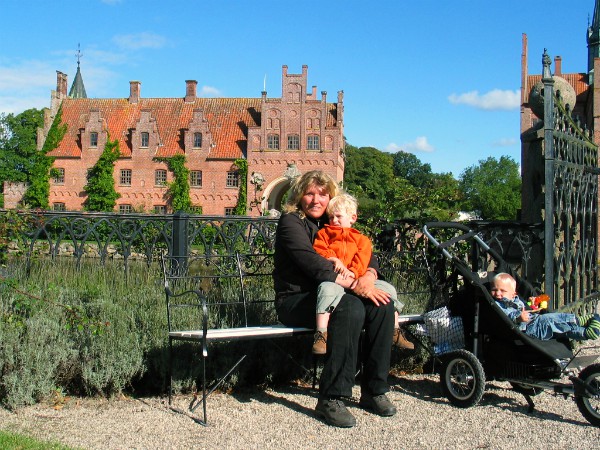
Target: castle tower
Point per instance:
(593, 42)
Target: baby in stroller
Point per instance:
(541, 326)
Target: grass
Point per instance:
(14, 441)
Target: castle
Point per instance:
(279, 138)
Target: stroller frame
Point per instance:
(495, 348)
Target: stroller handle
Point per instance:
(442, 246)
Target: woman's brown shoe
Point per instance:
(399, 341)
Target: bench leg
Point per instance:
(195, 402)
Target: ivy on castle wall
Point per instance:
(100, 187)
(242, 203)
(179, 189)
(38, 190)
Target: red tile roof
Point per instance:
(228, 119)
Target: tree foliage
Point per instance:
(38, 190)
(100, 187)
(18, 144)
(492, 188)
(397, 186)
(242, 203)
(179, 190)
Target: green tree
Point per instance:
(398, 186)
(38, 191)
(18, 144)
(492, 188)
(409, 167)
(100, 187)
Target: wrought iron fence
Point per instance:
(406, 259)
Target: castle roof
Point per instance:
(228, 120)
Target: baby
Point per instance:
(541, 326)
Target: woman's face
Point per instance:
(314, 201)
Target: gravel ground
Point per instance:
(284, 418)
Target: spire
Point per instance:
(77, 88)
(593, 41)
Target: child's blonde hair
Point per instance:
(506, 278)
(343, 202)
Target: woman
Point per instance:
(298, 272)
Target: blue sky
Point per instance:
(437, 78)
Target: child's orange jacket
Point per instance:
(347, 244)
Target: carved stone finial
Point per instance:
(546, 62)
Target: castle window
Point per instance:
(60, 176)
(312, 142)
(124, 209)
(160, 209)
(58, 206)
(229, 211)
(273, 142)
(196, 178)
(233, 180)
(93, 139)
(160, 177)
(293, 142)
(125, 178)
(145, 137)
(197, 140)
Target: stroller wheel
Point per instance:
(589, 405)
(462, 378)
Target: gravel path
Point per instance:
(283, 418)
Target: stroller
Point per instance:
(495, 348)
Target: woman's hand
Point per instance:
(365, 287)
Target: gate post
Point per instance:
(548, 178)
(180, 235)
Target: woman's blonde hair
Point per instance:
(301, 184)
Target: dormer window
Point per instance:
(197, 140)
(145, 139)
(93, 139)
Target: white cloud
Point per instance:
(209, 91)
(17, 105)
(420, 144)
(495, 99)
(505, 142)
(139, 40)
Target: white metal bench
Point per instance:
(196, 287)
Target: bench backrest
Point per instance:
(233, 290)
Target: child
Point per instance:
(350, 252)
(542, 326)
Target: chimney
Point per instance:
(61, 84)
(134, 91)
(324, 96)
(190, 90)
(558, 66)
(314, 93)
(284, 70)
